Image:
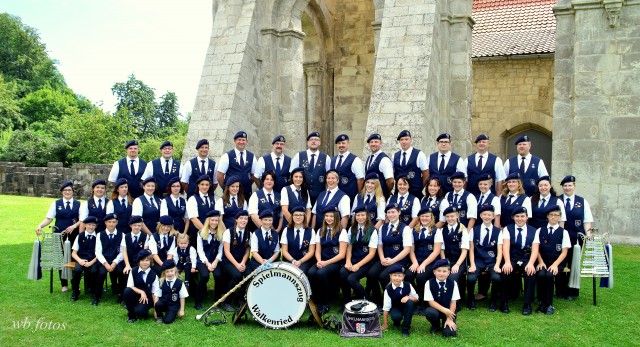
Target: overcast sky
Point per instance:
(98, 43)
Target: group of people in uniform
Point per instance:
(340, 219)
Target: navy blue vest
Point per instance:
(434, 205)
(241, 245)
(474, 172)
(375, 168)
(329, 246)
(134, 249)
(517, 252)
(281, 179)
(485, 255)
(461, 205)
(229, 216)
(150, 214)
(110, 249)
(574, 225)
(486, 202)
(551, 245)
(393, 295)
(196, 173)
(359, 247)
(86, 246)
(294, 248)
(452, 243)
(530, 175)
(66, 218)
(203, 209)
(243, 172)
(98, 212)
(442, 299)
(392, 245)
(263, 204)
(539, 215)
(123, 213)
(372, 206)
(171, 295)
(134, 182)
(161, 178)
(266, 247)
(315, 176)
(210, 249)
(505, 217)
(183, 255)
(162, 251)
(405, 209)
(139, 283)
(449, 170)
(320, 209)
(293, 199)
(423, 247)
(348, 181)
(176, 213)
(411, 171)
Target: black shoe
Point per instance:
(74, 295)
(226, 307)
(492, 306)
(198, 306)
(95, 301)
(131, 320)
(405, 333)
(526, 310)
(568, 298)
(472, 305)
(504, 307)
(322, 309)
(433, 330)
(397, 323)
(549, 310)
(119, 299)
(540, 309)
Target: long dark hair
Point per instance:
(535, 198)
(368, 229)
(234, 233)
(226, 196)
(440, 193)
(304, 187)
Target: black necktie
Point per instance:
(206, 200)
(313, 161)
(151, 202)
(481, 199)
(359, 234)
(398, 291)
(329, 234)
(550, 231)
(369, 161)
(429, 202)
(233, 202)
(169, 283)
(177, 203)
(441, 167)
(510, 200)
(68, 206)
(522, 167)
(339, 162)
(441, 289)
(298, 193)
(166, 167)
(110, 237)
(135, 240)
(296, 240)
(269, 197)
(486, 237)
(567, 205)
(239, 237)
(401, 201)
(404, 159)
(455, 199)
(124, 202)
(100, 204)
(202, 170)
(132, 169)
(542, 202)
(366, 202)
(164, 241)
(450, 230)
(278, 167)
(519, 237)
(480, 163)
(242, 159)
(422, 234)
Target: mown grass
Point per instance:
(614, 321)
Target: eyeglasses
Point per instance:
(444, 142)
(68, 190)
(174, 186)
(556, 215)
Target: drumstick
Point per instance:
(264, 266)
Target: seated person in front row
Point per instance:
(84, 253)
(170, 294)
(399, 301)
(141, 283)
(441, 293)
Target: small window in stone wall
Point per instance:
(540, 146)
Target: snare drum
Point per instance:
(277, 296)
(364, 322)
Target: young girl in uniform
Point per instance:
(512, 197)
(483, 257)
(373, 199)
(175, 206)
(84, 254)
(133, 243)
(209, 247)
(462, 200)
(235, 241)
(361, 251)
(554, 245)
(231, 202)
(170, 295)
(198, 206)
(294, 195)
(409, 204)
(264, 241)
(162, 244)
(120, 205)
(298, 243)
(394, 245)
(109, 255)
(96, 205)
(141, 284)
(331, 248)
(456, 246)
(185, 257)
(266, 199)
(147, 206)
(433, 199)
(486, 197)
(427, 243)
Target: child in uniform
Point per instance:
(170, 294)
(109, 254)
(456, 246)
(84, 253)
(264, 241)
(441, 293)
(554, 245)
(209, 247)
(162, 244)
(298, 243)
(133, 243)
(185, 257)
(235, 243)
(399, 301)
(141, 284)
(483, 252)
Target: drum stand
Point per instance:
(595, 259)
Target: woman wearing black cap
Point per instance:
(235, 258)
(409, 204)
(512, 197)
(175, 206)
(264, 199)
(372, 197)
(231, 202)
(96, 205)
(66, 212)
(296, 194)
(120, 205)
(433, 199)
(543, 197)
(198, 206)
(147, 206)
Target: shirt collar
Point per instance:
(129, 159)
(333, 190)
(447, 154)
(96, 199)
(408, 151)
(459, 193)
(274, 156)
(344, 155)
(114, 233)
(145, 271)
(148, 196)
(454, 227)
(393, 286)
(93, 233)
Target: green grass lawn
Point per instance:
(613, 322)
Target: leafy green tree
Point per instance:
(35, 147)
(138, 100)
(48, 103)
(10, 116)
(167, 111)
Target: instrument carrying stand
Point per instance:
(52, 256)
(595, 261)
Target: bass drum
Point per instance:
(277, 296)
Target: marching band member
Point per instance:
(444, 163)
(409, 204)
(133, 243)
(185, 258)
(349, 167)
(456, 246)
(96, 205)
(266, 199)
(483, 256)
(231, 201)
(175, 206)
(209, 247)
(236, 246)
(412, 163)
(238, 162)
(84, 254)
(482, 164)
(162, 243)
(462, 200)
(170, 294)
(433, 199)
(142, 282)
(486, 197)
(527, 165)
(333, 196)
(298, 242)
(264, 241)
(163, 169)
(197, 167)
(109, 255)
(276, 161)
(296, 194)
(512, 197)
(147, 206)
(442, 295)
(399, 301)
(315, 164)
(543, 197)
(378, 163)
(373, 199)
(131, 168)
(120, 205)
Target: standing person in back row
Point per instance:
(527, 165)
(411, 163)
(163, 168)
(277, 162)
(444, 163)
(198, 166)
(349, 167)
(379, 163)
(130, 168)
(238, 162)
(483, 163)
(315, 164)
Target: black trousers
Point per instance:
(166, 312)
(201, 289)
(236, 277)
(514, 279)
(186, 267)
(546, 281)
(377, 280)
(118, 279)
(320, 281)
(90, 277)
(420, 280)
(493, 276)
(351, 280)
(136, 309)
(437, 320)
(402, 314)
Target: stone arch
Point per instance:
(541, 144)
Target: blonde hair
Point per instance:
(206, 227)
(377, 190)
(182, 237)
(172, 231)
(505, 189)
(163, 276)
(429, 227)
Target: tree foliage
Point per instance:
(10, 115)
(138, 100)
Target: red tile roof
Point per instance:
(513, 27)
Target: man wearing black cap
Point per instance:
(130, 168)
(349, 167)
(379, 163)
(277, 162)
(482, 163)
(238, 162)
(527, 165)
(198, 166)
(163, 168)
(411, 163)
(444, 163)
(315, 164)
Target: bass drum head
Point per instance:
(367, 308)
(277, 297)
